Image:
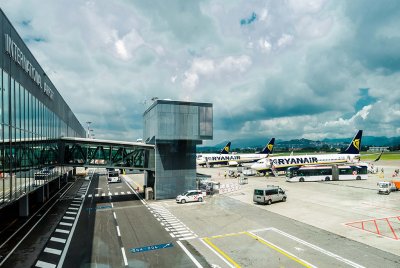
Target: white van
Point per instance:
(269, 195)
(113, 176)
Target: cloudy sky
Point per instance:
(285, 68)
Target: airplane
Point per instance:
(224, 158)
(351, 154)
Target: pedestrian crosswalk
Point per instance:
(175, 227)
(103, 194)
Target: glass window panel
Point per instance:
(6, 94)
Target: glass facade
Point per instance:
(32, 116)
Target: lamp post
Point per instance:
(88, 129)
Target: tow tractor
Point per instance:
(386, 187)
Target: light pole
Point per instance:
(88, 129)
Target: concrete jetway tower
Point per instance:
(175, 128)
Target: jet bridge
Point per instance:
(75, 152)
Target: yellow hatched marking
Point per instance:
(221, 252)
(259, 239)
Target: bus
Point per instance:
(113, 176)
(327, 173)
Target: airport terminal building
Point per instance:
(32, 111)
(41, 140)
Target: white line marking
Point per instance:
(90, 196)
(124, 256)
(96, 195)
(115, 216)
(287, 252)
(339, 258)
(76, 205)
(73, 208)
(179, 229)
(59, 240)
(62, 231)
(122, 192)
(68, 218)
(216, 253)
(65, 223)
(76, 201)
(166, 229)
(71, 213)
(116, 193)
(183, 235)
(112, 205)
(109, 193)
(187, 238)
(42, 264)
(128, 192)
(118, 232)
(172, 235)
(189, 254)
(103, 194)
(52, 251)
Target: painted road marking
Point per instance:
(96, 195)
(124, 256)
(62, 231)
(65, 223)
(43, 264)
(68, 218)
(123, 193)
(90, 196)
(59, 240)
(75, 205)
(187, 238)
(103, 194)
(149, 248)
(198, 265)
(263, 241)
(73, 208)
(280, 250)
(52, 251)
(128, 192)
(223, 254)
(382, 226)
(337, 257)
(118, 232)
(71, 213)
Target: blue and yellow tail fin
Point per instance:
(268, 149)
(355, 145)
(226, 149)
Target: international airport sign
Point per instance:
(149, 248)
(19, 57)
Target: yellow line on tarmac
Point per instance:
(221, 252)
(259, 239)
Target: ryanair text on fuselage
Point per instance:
(293, 160)
(222, 158)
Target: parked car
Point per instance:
(190, 196)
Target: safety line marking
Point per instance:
(280, 250)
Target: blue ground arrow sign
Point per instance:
(153, 247)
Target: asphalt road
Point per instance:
(235, 234)
(116, 229)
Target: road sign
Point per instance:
(153, 247)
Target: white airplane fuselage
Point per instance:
(283, 162)
(227, 159)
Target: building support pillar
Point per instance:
(40, 195)
(24, 206)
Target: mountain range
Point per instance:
(302, 143)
